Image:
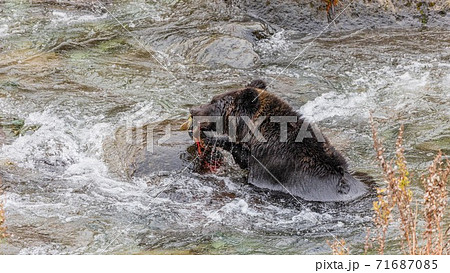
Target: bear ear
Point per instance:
(249, 99)
(257, 84)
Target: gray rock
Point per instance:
(133, 158)
(221, 44)
(229, 51)
(250, 31)
(311, 16)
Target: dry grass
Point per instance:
(435, 203)
(395, 204)
(2, 222)
(397, 195)
(339, 247)
(2, 217)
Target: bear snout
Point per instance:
(198, 111)
(194, 111)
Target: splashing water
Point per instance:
(69, 179)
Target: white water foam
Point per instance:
(385, 89)
(4, 30)
(50, 143)
(277, 43)
(62, 17)
(332, 104)
(58, 142)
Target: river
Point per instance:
(74, 79)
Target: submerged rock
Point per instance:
(436, 145)
(216, 45)
(230, 51)
(129, 153)
(250, 31)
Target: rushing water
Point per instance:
(72, 78)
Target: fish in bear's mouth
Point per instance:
(188, 126)
(209, 157)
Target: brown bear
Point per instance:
(281, 150)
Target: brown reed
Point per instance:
(2, 217)
(396, 194)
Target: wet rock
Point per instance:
(231, 45)
(129, 152)
(311, 16)
(229, 51)
(215, 51)
(250, 31)
(214, 43)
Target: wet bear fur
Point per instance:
(311, 169)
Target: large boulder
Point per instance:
(229, 51)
